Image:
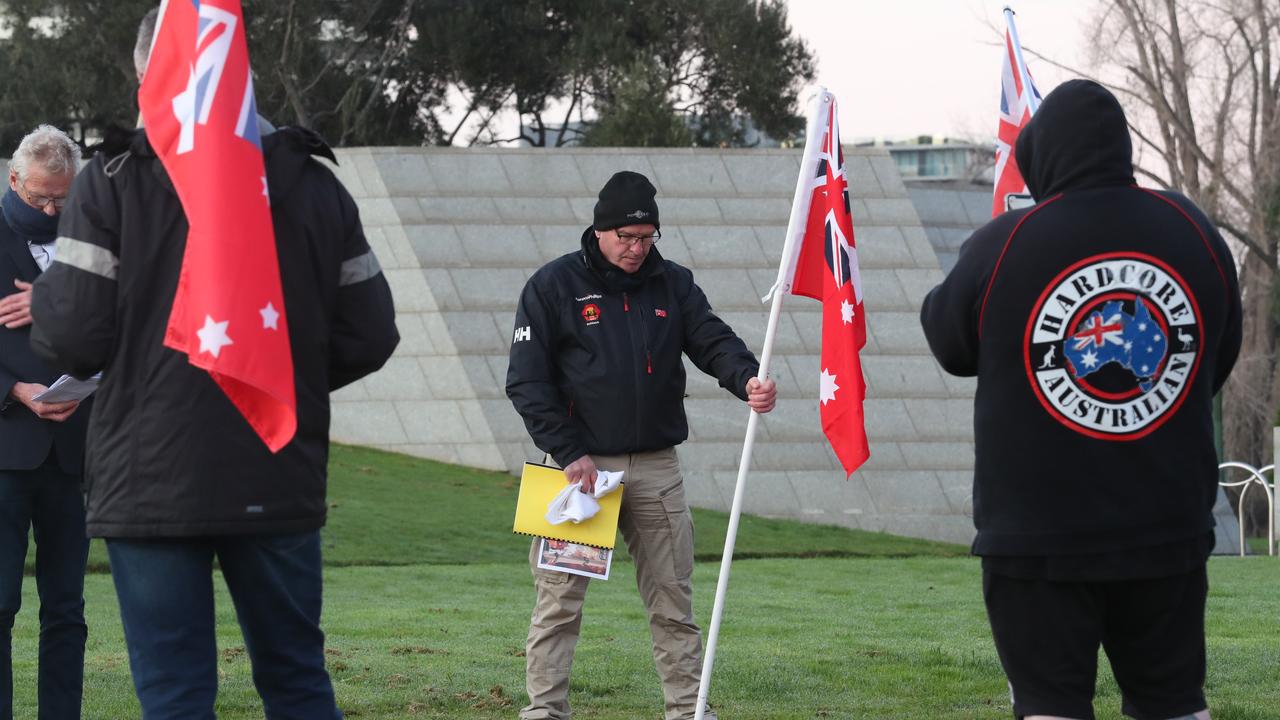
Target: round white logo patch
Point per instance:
(1113, 344)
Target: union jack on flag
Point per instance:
(826, 269)
(1100, 331)
(1019, 99)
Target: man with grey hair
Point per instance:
(41, 443)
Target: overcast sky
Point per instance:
(901, 68)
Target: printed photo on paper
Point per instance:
(567, 557)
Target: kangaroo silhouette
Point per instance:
(1047, 362)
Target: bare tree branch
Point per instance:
(1138, 170)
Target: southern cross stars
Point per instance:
(270, 317)
(213, 336)
(846, 312)
(827, 387)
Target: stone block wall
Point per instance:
(458, 232)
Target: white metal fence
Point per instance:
(1256, 478)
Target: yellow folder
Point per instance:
(539, 485)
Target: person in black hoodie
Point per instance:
(176, 476)
(597, 375)
(1100, 323)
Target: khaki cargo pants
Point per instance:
(658, 529)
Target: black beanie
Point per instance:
(627, 199)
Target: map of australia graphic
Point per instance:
(1135, 342)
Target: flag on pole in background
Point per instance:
(826, 269)
(1019, 99)
(200, 116)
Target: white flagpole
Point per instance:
(795, 232)
(1033, 102)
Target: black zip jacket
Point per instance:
(168, 454)
(1100, 323)
(595, 357)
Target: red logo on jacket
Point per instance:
(591, 313)
(660, 312)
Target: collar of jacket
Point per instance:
(285, 152)
(614, 278)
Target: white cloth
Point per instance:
(606, 482)
(573, 505)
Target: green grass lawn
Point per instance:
(428, 598)
(1257, 545)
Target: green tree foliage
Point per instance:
(341, 68)
(68, 64)
(712, 62)
(639, 114)
(449, 72)
(326, 64)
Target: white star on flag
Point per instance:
(827, 387)
(213, 336)
(269, 316)
(846, 312)
(1090, 359)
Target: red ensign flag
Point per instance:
(228, 314)
(826, 269)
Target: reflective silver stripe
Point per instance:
(86, 256)
(358, 269)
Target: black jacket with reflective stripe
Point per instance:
(168, 454)
(595, 365)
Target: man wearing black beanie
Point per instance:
(1100, 323)
(597, 375)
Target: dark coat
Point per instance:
(1100, 324)
(596, 362)
(169, 455)
(25, 440)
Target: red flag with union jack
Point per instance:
(200, 116)
(1019, 99)
(826, 269)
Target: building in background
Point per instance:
(950, 185)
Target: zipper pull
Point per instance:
(626, 306)
(648, 362)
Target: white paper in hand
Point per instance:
(67, 388)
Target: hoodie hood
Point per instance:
(1077, 139)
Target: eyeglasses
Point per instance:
(41, 201)
(629, 239)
